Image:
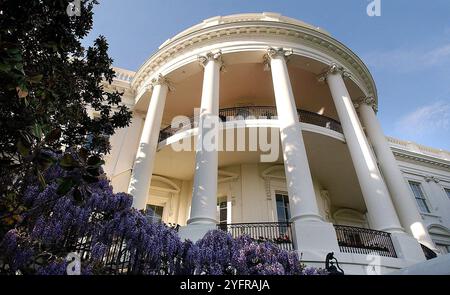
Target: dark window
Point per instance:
(283, 212)
(222, 212)
(447, 191)
(154, 213)
(416, 187)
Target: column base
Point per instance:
(315, 239)
(195, 232)
(407, 248)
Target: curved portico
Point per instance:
(285, 76)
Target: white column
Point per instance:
(374, 190)
(145, 157)
(302, 199)
(313, 237)
(405, 205)
(204, 197)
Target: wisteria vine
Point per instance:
(54, 223)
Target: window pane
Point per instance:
(154, 213)
(447, 191)
(420, 196)
(223, 214)
(222, 210)
(283, 211)
(281, 214)
(423, 206)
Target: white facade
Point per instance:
(334, 168)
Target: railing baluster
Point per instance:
(257, 112)
(279, 233)
(364, 241)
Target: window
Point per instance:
(222, 212)
(283, 212)
(154, 213)
(443, 249)
(416, 187)
(447, 191)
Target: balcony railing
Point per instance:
(279, 233)
(364, 241)
(257, 112)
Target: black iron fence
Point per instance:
(279, 233)
(257, 112)
(119, 258)
(364, 241)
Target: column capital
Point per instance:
(161, 80)
(368, 100)
(211, 56)
(334, 68)
(276, 52)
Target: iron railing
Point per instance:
(364, 241)
(119, 258)
(279, 233)
(257, 112)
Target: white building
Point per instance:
(338, 184)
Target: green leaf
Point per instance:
(41, 178)
(65, 186)
(95, 161)
(45, 160)
(23, 148)
(68, 162)
(5, 67)
(37, 130)
(35, 79)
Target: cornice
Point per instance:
(420, 158)
(304, 35)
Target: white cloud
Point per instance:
(425, 120)
(408, 59)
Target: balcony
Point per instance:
(254, 112)
(350, 239)
(364, 241)
(279, 233)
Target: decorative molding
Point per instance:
(412, 156)
(429, 178)
(178, 46)
(368, 100)
(267, 173)
(211, 56)
(226, 176)
(333, 69)
(161, 80)
(353, 216)
(268, 188)
(173, 187)
(276, 52)
(325, 195)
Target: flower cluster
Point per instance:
(111, 231)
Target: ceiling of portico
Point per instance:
(244, 81)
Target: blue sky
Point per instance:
(407, 48)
